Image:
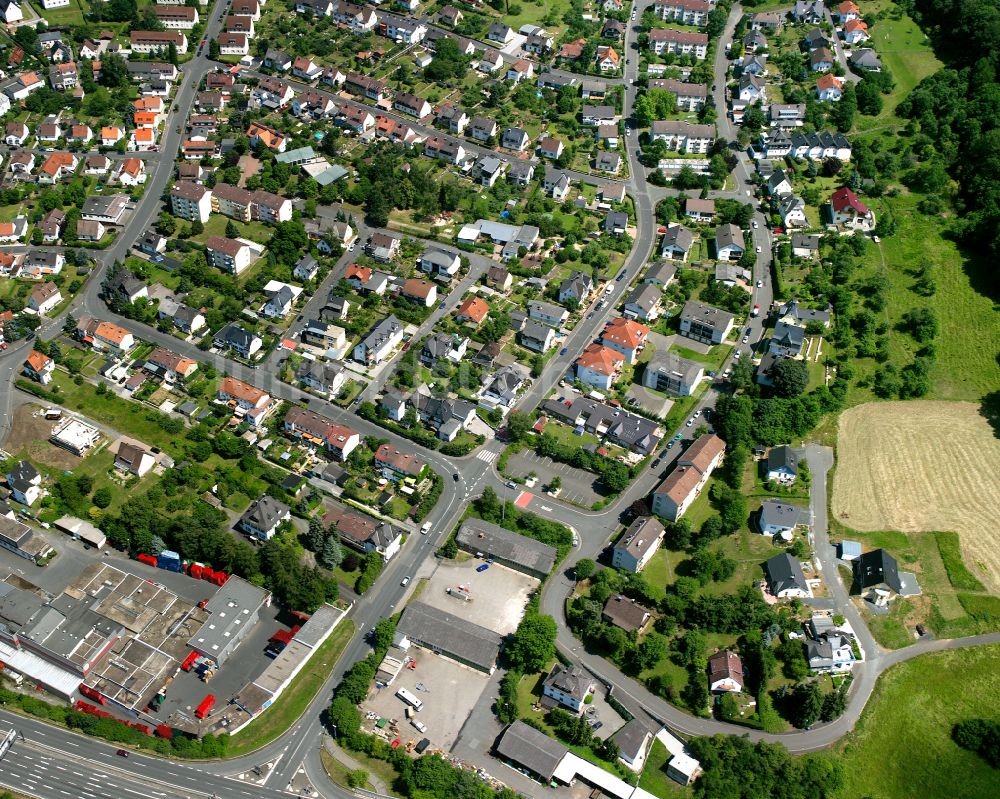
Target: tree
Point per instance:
(232, 229)
(649, 652)
(214, 51)
(27, 38)
(921, 323)
(792, 654)
(316, 534)
(585, 568)
(789, 377)
(102, 497)
(197, 227)
(332, 553)
(533, 644)
(742, 376)
(810, 704)
(518, 425)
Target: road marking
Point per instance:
(486, 455)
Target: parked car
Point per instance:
(483, 567)
(404, 581)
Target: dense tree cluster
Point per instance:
(981, 736)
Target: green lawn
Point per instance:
(902, 748)
(122, 415)
(905, 50)
(712, 360)
(966, 367)
(337, 771)
(63, 17)
(296, 698)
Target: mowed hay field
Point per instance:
(922, 466)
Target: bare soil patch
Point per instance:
(920, 467)
(29, 435)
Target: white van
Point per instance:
(419, 725)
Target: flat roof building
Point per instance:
(233, 612)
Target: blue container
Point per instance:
(169, 560)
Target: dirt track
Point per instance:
(922, 466)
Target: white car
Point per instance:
(737, 354)
(755, 225)
(746, 339)
(760, 284)
(405, 581)
(425, 529)
(690, 422)
(697, 414)
(759, 250)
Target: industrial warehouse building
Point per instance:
(506, 548)
(234, 610)
(451, 636)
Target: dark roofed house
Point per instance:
(782, 464)
(634, 740)
(785, 577)
(877, 570)
(568, 687)
(625, 613)
(262, 518)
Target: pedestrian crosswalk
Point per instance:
(486, 455)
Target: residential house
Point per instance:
(440, 262)
(821, 60)
(785, 578)
(157, 41)
(422, 292)
(452, 118)
(547, 313)
(537, 337)
(754, 42)
(499, 278)
(169, 365)
(229, 255)
(395, 465)
(682, 136)
(865, 60)
(335, 439)
(660, 274)
(782, 465)
(668, 372)
(472, 310)
(443, 347)
(792, 211)
(599, 366)
(820, 145)
(699, 210)
(705, 323)
(24, 482)
(38, 367)
(488, 170)
(267, 136)
(691, 97)
(607, 58)
(725, 673)
(383, 246)
(829, 88)
(17, 134)
(805, 246)
(627, 614)
(500, 33)
(608, 161)
(686, 12)
(131, 172)
(521, 173)
(515, 139)
(134, 459)
(44, 297)
(482, 128)
(638, 544)
(550, 147)
(625, 337)
(51, 226)
(556, 183)
(674, 495)
(576, 288)
(238, 339)
(778, 518)
(323, 378)
(856, 31)
(380, 341)
(569, 687)
(809, 12)
(365, 534)
(248, 402)
(411, 104)
(643, 302)
(280, 299)
(833, 652)
(262, 518)
(304, 68)
(847, 210)
(877, 570)
(677, 243)
(104, 336)
(445, 416)
(520, 69)
(276, 59)
(501, 389)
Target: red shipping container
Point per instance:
(149, 560)
(205, 707)
(189, 661)
(282, 637)
(163, 731)
(220, 578)
(208, 575)
(196, 569)
(93, 693)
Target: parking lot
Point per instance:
(497, 595)
(578, 486)
(448, 690)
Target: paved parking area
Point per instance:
(448, 690)
(578, 486)
(651, 402)
(498, 595)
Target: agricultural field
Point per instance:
(922, 466)
(902, 746)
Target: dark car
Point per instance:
(921, 630)
(482, 568)
(454, 476)
(121, 753)
(563, 351)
